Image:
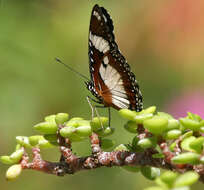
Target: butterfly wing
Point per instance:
(110, 73)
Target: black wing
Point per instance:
(110, 72)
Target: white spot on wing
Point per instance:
(114, 82)
(119, 103)
(105, 60)
(97, 15)
(105, 19)
(99, 43)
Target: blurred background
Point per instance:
(162, 41)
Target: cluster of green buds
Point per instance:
(172, 181)
(162, 125)
(75, 129)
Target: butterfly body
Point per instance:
(112, 81)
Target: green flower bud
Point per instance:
(18, 146)
(17, 155)
(61, 118)
(202, 159)
(150, 173)
(67, 131)
(45, 144)
(202, 129)
(194, 117)
(169, 177)
(50, 118)
(154, 188)
(150, 109)
(6, 160)
(135, 145)
(173, 124)
(105, 132)
(147, 143)
(13, 172)
(73, 123)
(84, 131)
(142, 117)
(186, 179)
(197, 144)
(51, 138)
(158, 155)
(185, 144)
(76, 119)
(121, 147)
(187, 134)
(97, 123)
(186, 158)
(172, 134)
(164, 115)
(190, 124)
(76, 138)
(35, 139)
(107, 143)
(131, 126)
(156, 125)
(46, 127)
(133, 169)
(172, 146)
(127, 114)
(23, 141)
(162, 184)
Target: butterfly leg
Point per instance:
(93, 109)
(109, 113)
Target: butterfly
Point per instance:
(112, 82)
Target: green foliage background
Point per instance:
(161, 40)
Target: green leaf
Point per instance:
(190, 124)
(61, 118)
(13, 172)
(107, 143)
(173, 124)
(197, 144)
(6, 160)
(127, 114)
(164, 115)
(156, 125)
(50, 118)
(194, 117)
(35, 139)
(154, 188)
(172, 134)
(186, 158)
(105, 132)
(150, 173)
(185, 144)
(84, 131)
(46, 127)
(150, 109)
(17, 155)
(23, 141)
(131, 126)
(45, 144)
(67, 131)
(98, 123)
(147, 143)
(169, 177)
(121, 147)
(186, 179)
(139, 119)
(187, 134)
(133, 169)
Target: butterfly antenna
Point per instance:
(70, 68)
